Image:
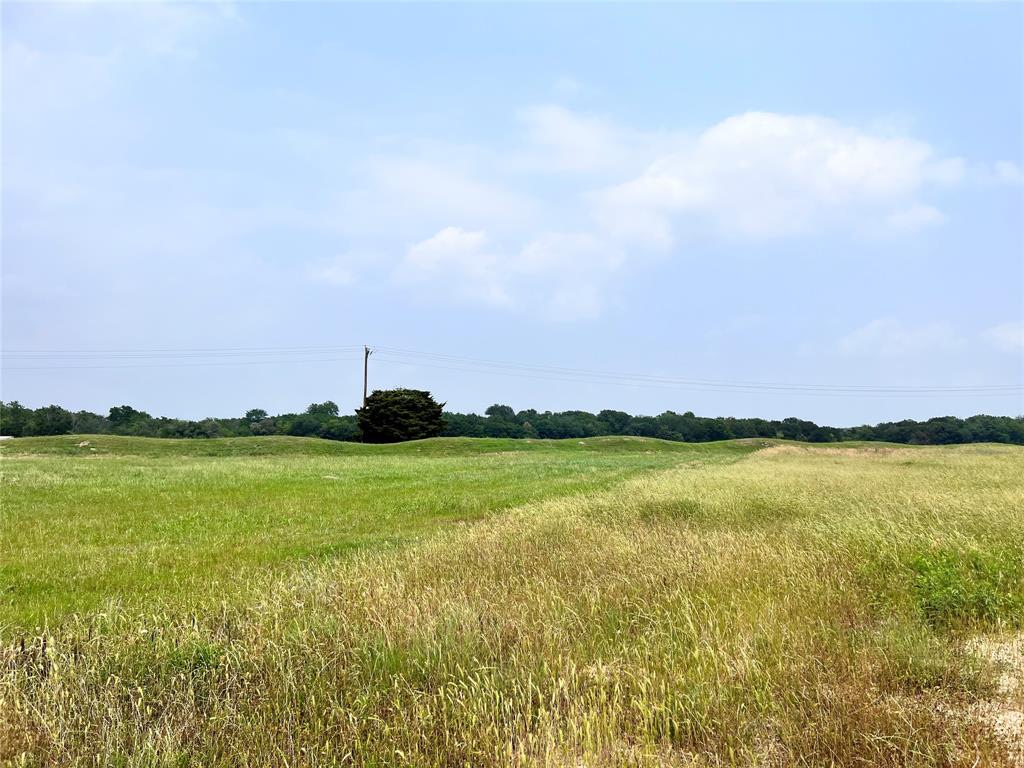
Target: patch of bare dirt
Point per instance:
(1003, 714)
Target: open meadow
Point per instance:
(469, 602)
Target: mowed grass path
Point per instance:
(159, 523)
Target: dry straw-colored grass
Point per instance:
(798, 607)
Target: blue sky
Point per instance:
(804, 194)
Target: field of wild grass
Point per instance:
(502, 603)
(184, 524)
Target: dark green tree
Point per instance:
(254, 415)
(502, 422)
(615, 422)
(264, 427)
(324, 410)
(500, 413)
(340, 428)
(15, 419)
(125, 420)
(394, 415)
(304, 425)
(88, 423)
(465, 425)
(51, 420)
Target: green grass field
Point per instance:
(190, 522)
(600, 602)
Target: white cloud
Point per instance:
(1007, 172)
(1006, 337)
(450, 245)
(543, 222)
(890, 338)
(48, 85)
(339, 270)
(764, 175)
(559, 274)
(525, 240)
(754, 176)
(916, 217)
(69, 74)
(573, 268)
(458, 258)
(408, 193)
(572, 141)
(161, 29)
(568, 252)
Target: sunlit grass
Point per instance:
(87, 519)
(796, 606)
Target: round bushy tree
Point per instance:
(394, 415)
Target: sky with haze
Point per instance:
(800, 194)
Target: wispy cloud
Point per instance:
(1006, 337)
(915, 217)
(625, 194)
(560, 275)
(764, 175)
(337, 270)
(567, 87)
(409, 193)
(1008, 172)
(458, 258)
(565, 140)
(892, 338)
(544, 222)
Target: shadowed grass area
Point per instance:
(794, 606)
(93, 518)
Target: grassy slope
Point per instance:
(88, 518)
(90, 445)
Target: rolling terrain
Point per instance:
(600, 602)
(97, 517)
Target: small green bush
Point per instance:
(959, 588)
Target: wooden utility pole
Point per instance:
(366, 369)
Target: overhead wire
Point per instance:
(179, 365)
(285, 355)
(172, 353)
(424, 357)
(697, 388)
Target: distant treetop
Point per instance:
(408, 414)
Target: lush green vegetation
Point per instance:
(395, 415)
(324, 420)
(144, 519)
(497, 603)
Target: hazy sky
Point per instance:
(804, 194)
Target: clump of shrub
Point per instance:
(959, 588)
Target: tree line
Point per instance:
(324, 420)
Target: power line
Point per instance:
(176, 365)
(701, 388)
(171, 353)
(286, 355)
(425, 357)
